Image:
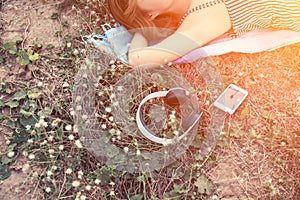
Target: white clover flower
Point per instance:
(28, 127)
(84, 117)
(97, 181)
(72, 112)
(50, 138)
(80, 174)
(88, 187)
(138, 152)
(78, 107)
(69, 44)
(31, 156)
(75, 129)
(68, 127)
(112, 96)
(111, 118)
(11, 154)
(103, 126)
(108, 109)
(112, 183)
(51, 151)
(82, 197)
(78, 144)
(126, 149)
(48, 189)
(112, 193)
(54, 167)
(30, 141)
(37, 125)
(100, 93)
(175, 132)
(69, 171)
(40, 84)
(61, 147)
(25, 168)
(25, 153)
(71, 137)
(43, 143)
(75, 52)
(75, 183)
(49, 173)
(207, 102)
(112, 131)
(7, 142)
(44, 124)
(55, 122)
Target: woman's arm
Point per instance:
(163, 52)
(198, 29)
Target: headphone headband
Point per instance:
(175, 96)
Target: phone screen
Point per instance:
(231, 98)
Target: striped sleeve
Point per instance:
(247, 15)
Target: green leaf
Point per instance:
(11, 47)
(32, 56)
(49, 46)
(59, 133)
(111, 151)
(25, 113)
(6, 160)
(4, 172)
(54, 16)
(58, 33)
(19, 95)
(204, 185)
(10, 124)
(12, 104)
(253, 134)
(236, 133)
(136, 197)
(245, 113)
(140, 178)
(25, 121)
(3, 87)
(3, 117)
(34, 93)
(45, 112)
(30, 106)
(2, 104)
(23, 58)
(198, 157)
(19, 137)
(17, 40)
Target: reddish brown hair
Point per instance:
(127, 14)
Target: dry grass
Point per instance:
(257, 156)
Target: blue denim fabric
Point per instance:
(114, 41)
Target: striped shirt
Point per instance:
(247, 15)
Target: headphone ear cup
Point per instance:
(175, 97)
(190, 120)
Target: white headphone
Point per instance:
(173, 97)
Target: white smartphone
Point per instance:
(231, 98)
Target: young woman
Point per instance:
(184, 25)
